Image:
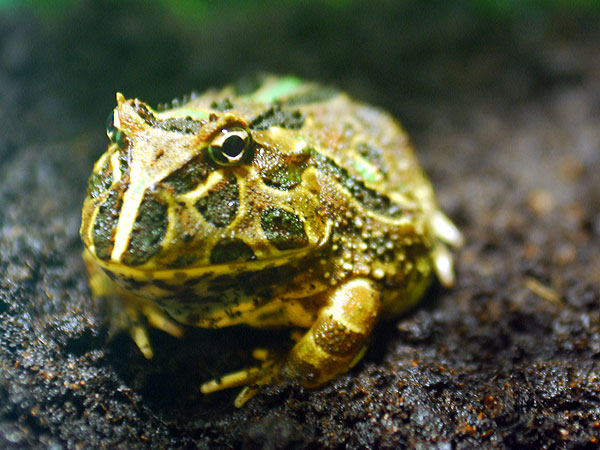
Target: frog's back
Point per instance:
(373, 191)
(361, 139)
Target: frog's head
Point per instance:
(200, 191)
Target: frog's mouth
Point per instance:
(234, 268)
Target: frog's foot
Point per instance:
(252, 378)
(334, 343)
(134, 314)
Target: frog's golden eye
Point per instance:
(231, 147)
(113, 131)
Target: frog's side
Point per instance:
(289, 205)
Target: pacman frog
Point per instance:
(273, 203)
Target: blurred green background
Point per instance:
(196, 10)
(419, 52)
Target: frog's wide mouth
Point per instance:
(232, 268)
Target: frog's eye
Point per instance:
(231, 147)
(113, 132)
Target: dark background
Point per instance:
(503, 105)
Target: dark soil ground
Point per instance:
(505, 115)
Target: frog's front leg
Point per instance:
(126, 311)
(334, 343)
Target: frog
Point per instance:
(274, 202)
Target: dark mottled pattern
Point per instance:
(186, 125)
(316, 95)
(148, 230)
(123, 163)
(100, 181)
(222, 105)
(369, 198)
(166, 285)
(336, 339)
(374, 155)
(105, 225)
(190, 175)
(224, 282)
(184, 259)
(196, 280)
(219, 207)
(131, 283)
(283, 229)
(277, 117)
(230, 251)
(283, 171)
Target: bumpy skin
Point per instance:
(274, 203)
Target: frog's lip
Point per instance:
(213, 270)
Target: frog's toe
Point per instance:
(443, 264)
(139, 334)
(253, 378)
(445, 229)
(260, 354)
(134, 315)
(159, 319)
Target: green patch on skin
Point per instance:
(374, 155)
(283, 229)
(222, 105)
(366, 170)
(284, 177)
(100, 181)
(317, 95)
(189, 113)
(190, 175)
(369, 198)
(220, 205)
(148, 231)
(233, 250)
(283, 88)
(105, 225)
(277, 117)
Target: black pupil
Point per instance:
(233, 146)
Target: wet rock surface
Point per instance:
(506, 120)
